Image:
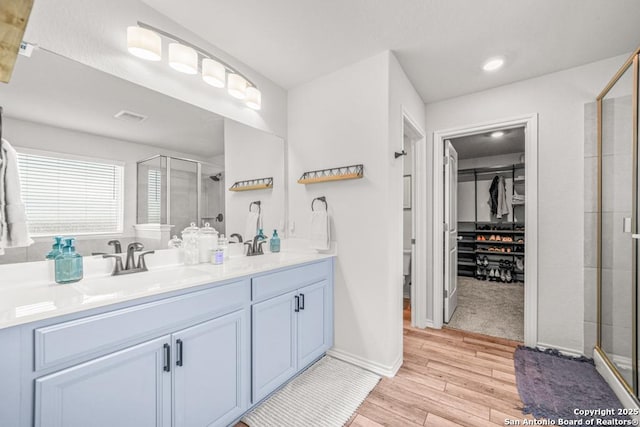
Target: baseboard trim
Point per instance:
(385, 371)
(563, 350)
(618, 388)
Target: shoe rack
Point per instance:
(493, 250)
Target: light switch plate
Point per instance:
(626, 225)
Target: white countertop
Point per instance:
(28, 301)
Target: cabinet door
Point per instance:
(314, 322)
(126, 388)
(211, 378)
(273, 338)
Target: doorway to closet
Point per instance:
(484, 243)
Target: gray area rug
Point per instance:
(490, 308)
(553, 386)
(325, 395)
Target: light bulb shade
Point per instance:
(213, 72)
(183, 58)
(254, 98)
(237, 86)
(144, 43)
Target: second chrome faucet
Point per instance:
(130, 265)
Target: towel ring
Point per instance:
(322, 199)
(257, 203)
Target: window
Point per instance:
(154, 186)
(70, 196)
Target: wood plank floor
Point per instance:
(448, 378)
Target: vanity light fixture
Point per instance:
(493, 64)
(236, 86)
(497, 134)
(213, 72)
(145, 41)
(183, 58)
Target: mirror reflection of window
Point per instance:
(154, 184)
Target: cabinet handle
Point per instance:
(179, 352)
(167, 358)
(301, 301)
(297, 309)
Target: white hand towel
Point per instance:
(320, 238)
(14, 231)
(252, 225)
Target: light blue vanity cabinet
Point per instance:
(193, 376)
(209, 372)
(126, 388)
(199, 356)
(290, 328)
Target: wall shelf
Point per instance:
(332, 174)
(252, 184)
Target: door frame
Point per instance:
(530, 123)
(418, 148)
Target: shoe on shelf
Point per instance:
(492, 238)
(498, 238)
(503, 275)
(520, 241)
(520, 263)
(508, 276)
(485, 261)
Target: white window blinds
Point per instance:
(69, 196)
(154, 185)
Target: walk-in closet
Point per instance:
(491, 229)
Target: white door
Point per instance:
(450, 231)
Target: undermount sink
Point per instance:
(132, 283)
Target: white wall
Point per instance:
(94, 33)
(354, 116)
(253, 154)
(559, 100)
(57, 140)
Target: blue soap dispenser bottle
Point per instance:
(68, 264)
(56, 248)
(274, 243)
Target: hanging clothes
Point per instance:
(13, 220)
(493, 195)
(503, 204)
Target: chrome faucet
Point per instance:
(254, 247)
(130, 266)
(131, 248)
(117, 248)
(116, 244)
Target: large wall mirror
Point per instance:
(99, 155)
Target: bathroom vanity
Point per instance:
(181, 346)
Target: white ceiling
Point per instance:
(484, 145)
(57, 91)
(441, 44)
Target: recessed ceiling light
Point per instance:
(497, 134)
(493, 64)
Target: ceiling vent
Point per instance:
(131, 117)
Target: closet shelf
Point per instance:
(464, 251)
(490, 232)
(252, 184)
(500, 253)
(497, 242)
(332, 174)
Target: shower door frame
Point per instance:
(633, 61)
(168, 184)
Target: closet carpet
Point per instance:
(490, 308)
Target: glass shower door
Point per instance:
(618, 226)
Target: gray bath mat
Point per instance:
(325, 395)
(553, 386)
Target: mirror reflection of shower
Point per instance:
(179, 191)
(213, 189)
